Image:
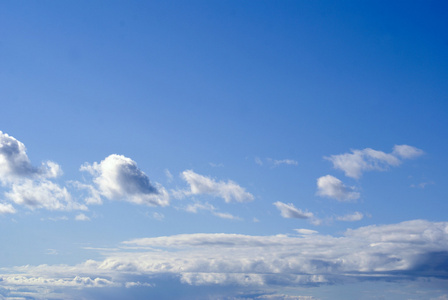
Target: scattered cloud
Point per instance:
(289, 211)
(290, 162)
(195, 207)
(358, 161)
(82, 217)
(118, 178)
(356, 216)
(329, 186)
(42, 194)
(202, 185)
(7, 208)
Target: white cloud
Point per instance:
(329, 186)
(158, 216)
(229, 191)
(406, 151)
(118, 178)
(356, 216)
(15, 164)
(355, 163)
(6, 208)
(195, 207)
(42, 194)
(82, 217)
(407, 250)
(289, 211)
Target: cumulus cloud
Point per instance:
(229, 191)
(289, 211)
(408, 250)
(329, 186)
(358, 161)
(118, 178)
(6, 208)
(42, 194)
(15, 164)
(356, 216)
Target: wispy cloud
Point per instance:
(203, 185)
(329, 186)
(197, 206)
(358, 161)
(356, 216)
(290, 211)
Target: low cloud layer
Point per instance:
(405, 251)
(330, 186)
(358, 161)
(118, 178)
(202, 185)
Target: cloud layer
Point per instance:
(405, 251)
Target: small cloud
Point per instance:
(216, 165)
(329, 186)
(290, 162)
(51, 252)
(289, 211)
(306, 231)
(6, 208)
(194, 208)
(229, 191)
(421, 185)
(255, 220)
(258, 161)
(356, 216)
(355, 163)
(118, 178)
(169, 175)
(158, 216)
(82, 217)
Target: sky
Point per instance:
(223, 150)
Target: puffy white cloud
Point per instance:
(356, 216)
(15, 164)
(229, 191)
(118, 178)
(358, 161)
(289, 211)
(329, 186)
(42, 194)
(6, 208)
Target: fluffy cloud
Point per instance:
(28, 185)
(358, 161)
(289, 211)
(15, 164)
(329, 186)
(118, 178)
(356, 216)
(82, 217)
(408, 250)
(229, 191)
(42, 194)
(6, 208)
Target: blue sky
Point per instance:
(223, 150)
